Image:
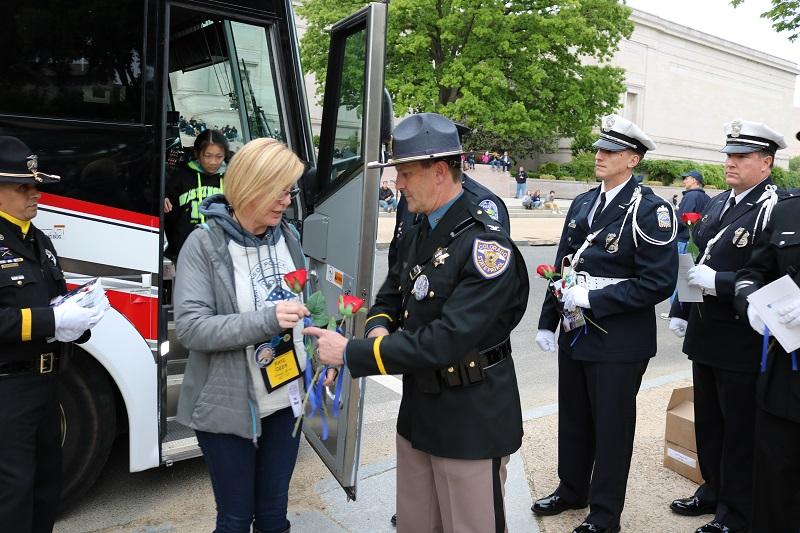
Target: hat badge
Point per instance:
(736, 128)
(608, 123)
(33, 163)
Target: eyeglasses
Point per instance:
(291, 193)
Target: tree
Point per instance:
(784, 14)
(521, 73)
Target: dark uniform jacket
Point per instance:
(477, 194)
(694, 201)
(183, 193)
(476, 296)
(30, 277)
(717, 334)
(626, 310)
(776, 253)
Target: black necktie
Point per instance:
(600, 207)
(731, 205)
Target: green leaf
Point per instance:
(332, 324)
(318, 309)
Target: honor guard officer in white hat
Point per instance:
(724, 352)
(617, 244)
(442, 319)
(32, 346)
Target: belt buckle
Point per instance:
(46, 361)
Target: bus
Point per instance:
(110, 95)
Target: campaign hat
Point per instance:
(18, 164)
(618, 134)
(421, 137)
(745, 136)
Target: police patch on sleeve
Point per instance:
(664, 220)
(490, 258)
(491, 208)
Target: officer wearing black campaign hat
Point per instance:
(617, 247)
(32, 337)
(442, 319)
(723, 351)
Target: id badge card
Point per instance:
(278, 361)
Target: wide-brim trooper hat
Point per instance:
(19, 165)
(620, 134)
(423, 136)
(745, 136)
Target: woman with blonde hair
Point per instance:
(236, 315)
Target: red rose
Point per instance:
(691, 218)
(349, 304)
(296, 280)
(546, 271)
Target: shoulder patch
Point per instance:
(664, 220)
(490, 258)
(490, 208)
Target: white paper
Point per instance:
(295, 398)
(686, 292)
(767, 300)
(682, 458)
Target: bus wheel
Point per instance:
(88, 424)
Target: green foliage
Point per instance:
(786, 179)
(794, 164)
(784, 14)
(581, 167)
(513, 70)
(547, 177)
(551, 167)
(318, 309)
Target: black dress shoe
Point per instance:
(554, 504)
(394, 520)
(693, 506)
(588, 527)
(716, 527)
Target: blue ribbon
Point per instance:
(318, 391)
(338, 392)
(764, 349)
(794, 361)
(578, 336)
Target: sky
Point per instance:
(742, 25)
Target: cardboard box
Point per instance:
(680, 445)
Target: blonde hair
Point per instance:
(261, 170)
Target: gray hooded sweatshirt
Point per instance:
(217, 394)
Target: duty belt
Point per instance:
(470, 371)
(46, 363)
(593, 283)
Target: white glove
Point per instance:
(70, 317)
(576, 297)
(546, 340)
(790, 314)
(677, 326)
(704, 277)
(68, 335)
(755, 320)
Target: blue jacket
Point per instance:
(693, 201)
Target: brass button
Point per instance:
(581, 261)
(19, 282)
(399, 287)
(430, 294)
(451, 369)
(782, 243)
(472, 364)
(405, 315)
(480, 212)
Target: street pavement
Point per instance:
(179, 498)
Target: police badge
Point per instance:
(439, 256)
(421, 286)
(51, 257)
(612, 243)
(740, 237)
(664, 221)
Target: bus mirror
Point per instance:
(387, 117)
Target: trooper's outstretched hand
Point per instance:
(71, 320)
(546, 340)
(330, 345)
(790, 314)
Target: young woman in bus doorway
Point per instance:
(236, 315)
(190, 184)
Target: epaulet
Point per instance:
(480, 216)
(586, 193)
(788, 194)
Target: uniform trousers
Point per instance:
(724, 413)
(776, 495)
(438, 494)
(596, 426)
(30, 453)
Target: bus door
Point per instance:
(339, 235)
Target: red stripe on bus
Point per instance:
(141, 311)
(92, 208)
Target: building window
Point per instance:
(631, 110)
